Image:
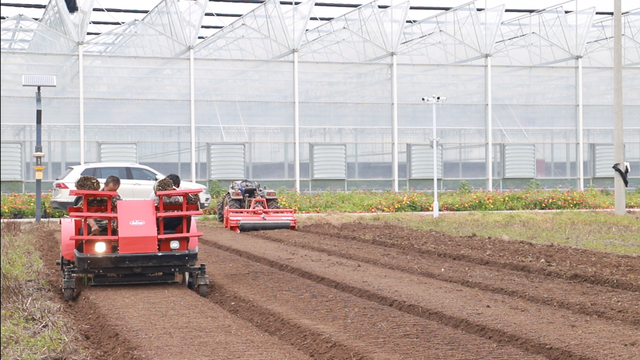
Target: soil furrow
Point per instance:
(157, 321)
(97, 337)
(503, 320)
(586, 299)
(366, 291)
(169, 321)
(313, 343)
(563, 262)
(335, 324)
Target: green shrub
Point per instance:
(464, 187)
(533, 185)
(216, 190)
(366, 201)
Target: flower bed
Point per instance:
(23, 205)
(18, 206)
(462, 200)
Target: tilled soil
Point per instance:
(366, 291)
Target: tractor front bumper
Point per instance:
(146, 263)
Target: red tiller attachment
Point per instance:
(259, 217)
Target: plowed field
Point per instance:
(363, 291)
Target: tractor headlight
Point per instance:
(101, 247)
(174, 244)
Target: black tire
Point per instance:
(273, 204)
(220, 208)
(202, 290)
(63, 264)
(223, 203)
(235, 204)
(68, 294)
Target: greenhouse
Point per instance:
(348, 104)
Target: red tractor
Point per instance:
(247, 206)
(141, 250)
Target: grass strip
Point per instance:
(32, 323)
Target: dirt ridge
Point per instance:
(612, 314)
(313, 343)
(350, 291)
(99, 339)
(466, 325)
(594, 279)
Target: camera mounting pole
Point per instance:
(38, 81)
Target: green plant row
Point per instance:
(465, 199)
(411, 201)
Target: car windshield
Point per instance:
(144, 174)
(64, 174)
(104, 172)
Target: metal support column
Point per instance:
(580, 128)
(618, 125)
(296, 122)
(192, 94)
(81, 100)
(394, 110)
(489, 124)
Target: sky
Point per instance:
(240, 9)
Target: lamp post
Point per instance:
(434, 100)
(38, 81)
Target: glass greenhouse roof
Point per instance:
(367, 32)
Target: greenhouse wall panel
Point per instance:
(533, 116)
(351, 83)
(530, 85)
(135, 112)
(341, 115)
(220, 80)
(244, 114)
(14, 65)
(460, 84)
(457, 116)
(136, 78)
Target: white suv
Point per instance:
(136, 182)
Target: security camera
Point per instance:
(424, 99)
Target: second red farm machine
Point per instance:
(247, 206)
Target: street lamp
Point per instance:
(38, 81)
(434, 144)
